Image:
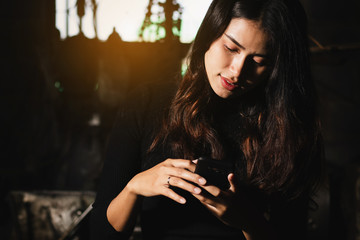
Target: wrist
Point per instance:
(131, 188)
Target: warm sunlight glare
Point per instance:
(126, 17)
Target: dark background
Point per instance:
(59, 98)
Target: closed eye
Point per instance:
(232, 50)
(259, 61)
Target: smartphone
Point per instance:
(214, 171)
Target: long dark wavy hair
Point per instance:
(280, 135)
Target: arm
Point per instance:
(128, 204)
(122, 161)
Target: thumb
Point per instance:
(232, 181)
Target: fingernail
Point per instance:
(197, 190)
(202, 181)
(182, 200)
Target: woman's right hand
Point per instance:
(175, 172)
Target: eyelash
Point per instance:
(260, 64)
(236, 50)
(230, 49)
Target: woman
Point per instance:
(247, 99)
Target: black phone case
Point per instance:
(214, 171)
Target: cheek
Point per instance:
(264, 74)
(259, 73)
(210, 64)
(215, 59)
(256, 76)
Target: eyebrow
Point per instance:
(242, 47)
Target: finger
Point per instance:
(185, 174)
(233, 185)
(167, 192)
(180, 183)
(182, 163)
(206, 199)
(213, 190)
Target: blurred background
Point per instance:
(66, 65)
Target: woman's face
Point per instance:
(237, 61)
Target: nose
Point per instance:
(237, 65)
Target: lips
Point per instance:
(227, 84)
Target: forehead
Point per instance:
(248, 34)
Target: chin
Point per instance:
(223, 94)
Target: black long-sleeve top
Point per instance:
(127, 154)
